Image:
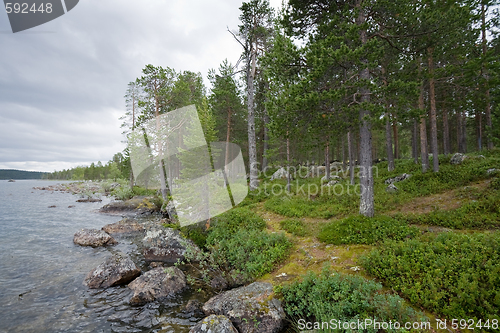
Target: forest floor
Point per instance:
(451, 196)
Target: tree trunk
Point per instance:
(485, 73)
(344, 163)
(414, 141)
(433, 117)
(396, 136)
(266, 131)
(388, 142)
(366, 204)
(327, 159)
(462, 137)
(388, 137)
(228, 135)
(163, 183)
(446, 133)
(288, 177)
(423, 127)
(252, 144)
(351, 157)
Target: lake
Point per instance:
(42, 271)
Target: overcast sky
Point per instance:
(62, 83)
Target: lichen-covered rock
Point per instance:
(214, 324)
(93, 237)
(157, 283)
(457, 158)
(391, 188)
(116, 270)
(490, 172)
(165, 244)
(281, 173)
(124, 226)
(251, 309)
(131, 207)
(396, 179)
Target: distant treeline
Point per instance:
(118, 167)
(20, 174)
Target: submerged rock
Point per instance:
(214, 324)
(157, 283)
(251, 309)
(124, 226)
(93, 237)
(116, 270)
(165, 244)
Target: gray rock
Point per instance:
(157, 283)
(165, 244)
(396, 179)
(391, 188)
(281, 173)
(332, 183)
(134, 206)
(214, 324)
(193, 306)
(251, 309)
(124, 226)
(93, 237)
(334, 177)
(457, 158)
(492, 171)
(116, 270)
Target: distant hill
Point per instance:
(20, 174)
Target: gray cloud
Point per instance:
(62, 83)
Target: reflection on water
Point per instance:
(42, 271)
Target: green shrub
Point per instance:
(451, 274)
(228, 223)
(295, 227)
(363, 230)
(320, 298)
(123, 193)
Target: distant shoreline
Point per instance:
(7, 174)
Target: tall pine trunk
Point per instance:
(433, 117)
(252, 144)
(388, 137)
(485, 73)
(424, 153)
(266, 132)
(327, 159)
(366, 204)
(396, 136)
(414, 141)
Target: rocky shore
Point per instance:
(251, 308)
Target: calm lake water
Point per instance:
(42, 271)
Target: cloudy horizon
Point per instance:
(62, 83)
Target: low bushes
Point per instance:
(363, 230)
(326, 296)
(454, 275)
(238, 249)
(295, 227)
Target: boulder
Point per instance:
(157, 283)
(396, 179)
(214, 324)
(251, 309)
(124, 226)
(93, 237)
(457, 158)
(490, 172)
(116, 270)
(193, 306)
(332, 177)
(134, 206)
(165, 244)
(391, 188)
(281, 173)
